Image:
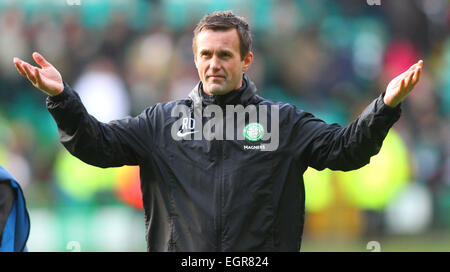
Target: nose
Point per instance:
(215, 63)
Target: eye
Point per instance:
(226, 55)
(205, 54)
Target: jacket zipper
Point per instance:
(220, 196)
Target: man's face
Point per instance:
(218, 61)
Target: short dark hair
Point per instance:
(225, 20)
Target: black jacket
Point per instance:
(216, 195)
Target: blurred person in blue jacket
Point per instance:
(14, 218)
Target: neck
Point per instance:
(226, 98)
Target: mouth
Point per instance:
(215, 77)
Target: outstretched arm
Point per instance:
(347, 148)
(117, 143)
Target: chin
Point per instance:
(217, 89)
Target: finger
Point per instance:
(402, 84)
(416, 76)
(409, 78)
(406, 75)
(16, 61)
(412, 67)
(30, 75)
(416, 65)
(38, 77)
(19, 67)
(39, 59)
(403, 75)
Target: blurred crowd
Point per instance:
(331, 58)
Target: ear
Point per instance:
(195, 58)
(247, 61)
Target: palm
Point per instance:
(51, 78)
(395, 84)
(46, 78)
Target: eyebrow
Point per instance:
(222, 51)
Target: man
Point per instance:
(208, 194)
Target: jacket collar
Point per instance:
(242, 96)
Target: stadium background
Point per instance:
(327, 57)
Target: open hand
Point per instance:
(402, 85)
(46, 78)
